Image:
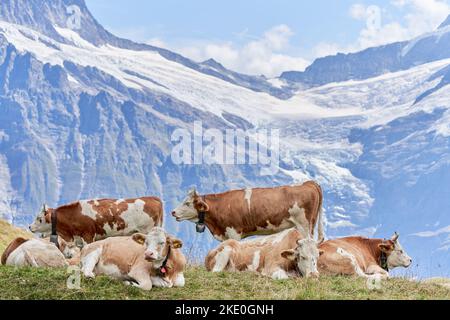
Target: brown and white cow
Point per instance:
(240, 214)
(286, 254)
(93, 220)
(362, 256)
(34, 253)
(38, 253)
(140, 260)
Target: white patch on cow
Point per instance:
(161, 283)
(89, 262)
(248, 197)
(88, 210)
(353, 261)
(110, 270)
(136, 220)
(222, 259)
(96, 203)
(231, 233)
(280, 274)
(186, 210)
(179, 281)
(298, 217)
(398, 257)
(119, 201)
(255, 262)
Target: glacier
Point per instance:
(84, 114)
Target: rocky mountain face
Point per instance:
(84, 114)
(376, 61)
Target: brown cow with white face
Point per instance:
(261, 211)
(286, 254)
(92, 220)
(140, 260)
(362, 256)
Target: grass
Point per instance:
(40, 284)
(8, 233)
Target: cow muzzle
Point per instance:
(149, 256)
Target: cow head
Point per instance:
(396, 256)
(68, 249)
(157, 243)
(42, 223)
(191, 206)
(305, 256)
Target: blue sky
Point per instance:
(270, 36)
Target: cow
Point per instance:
(145, 261)
(24, 251)
(92, 220)
(362, 257)
(239, 214)
(33, 253)
(286, 254)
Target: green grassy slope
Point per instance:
(51, 284)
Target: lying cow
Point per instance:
(280, 256)
(93, 220)
(37, 253)
(243, 213)
(362, 256)
(140, 260)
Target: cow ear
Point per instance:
(139, 238)
(385, 247)
(201, 206)
(288, 254)
(176, 243)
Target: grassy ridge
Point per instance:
(30, 283)
(9, 233)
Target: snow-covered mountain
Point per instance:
(85, 114)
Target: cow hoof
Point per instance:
(89, 275)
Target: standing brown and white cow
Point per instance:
(240, 214)
(286, 254)
(145, 261)
(93, 220)
(362, 256)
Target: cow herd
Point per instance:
(124, 239)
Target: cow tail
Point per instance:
(320, 231)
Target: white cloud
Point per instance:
(262, 56)
(419, 17)
(430, 234)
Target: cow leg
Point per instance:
(89, 262)
(279, 274)
(141, 278)
(179, 280)
(161, 282)
(222, 258)
(29, 260)
(376, 269)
